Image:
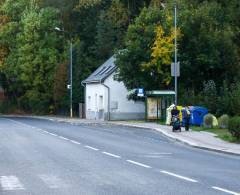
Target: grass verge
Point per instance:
(220, 133)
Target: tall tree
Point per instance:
(111, 29)
(136, 66)
(33, 55)
(207, 50)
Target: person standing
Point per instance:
(186, 117)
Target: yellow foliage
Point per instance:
(163, 46)
(162, 53)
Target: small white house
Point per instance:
(106, 98)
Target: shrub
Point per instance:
(223, 121)
(234, 101)
(208, 121)
(7, 107)
(234, 126)
(210, 95)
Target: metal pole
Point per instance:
(71, 88)
(175, 64)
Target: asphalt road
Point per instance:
(44, 157)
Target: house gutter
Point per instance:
(85, 106)
(101, 82)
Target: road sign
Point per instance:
(177, 69)
(140, 92)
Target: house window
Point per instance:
(89, 103)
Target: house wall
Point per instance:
(120, 107)
(95, 101)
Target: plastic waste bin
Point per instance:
(197, 114)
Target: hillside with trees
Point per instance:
(34, 58)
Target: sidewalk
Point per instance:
(203, 140)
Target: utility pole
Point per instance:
(175, 64)
(71, 82)
(71, 63)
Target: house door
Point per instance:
(100, 108)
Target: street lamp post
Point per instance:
(175, 56)
(71, 81)
(71, 62)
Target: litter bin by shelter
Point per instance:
(157, 103)
(197, 114)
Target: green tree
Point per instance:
(139, 39)
(161, 56)
(33, 56)
(60, 96)
(207, 50)
(112, 22)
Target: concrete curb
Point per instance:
(187, 142)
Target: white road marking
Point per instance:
(10, 183)
(110, 154)
(179, 176)
(92, 148)
(75, 142)
(63, 138)
(139, 164)
(53, 182)
(53, 134)
(224, 190)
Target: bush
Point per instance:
(234, 126)
(210, 95)
(223, 121)
(7, 107)
(208, 121)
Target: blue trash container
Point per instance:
(197, 115)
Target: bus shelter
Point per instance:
(157, 103)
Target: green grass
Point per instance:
(135, 121)
(161, 122)
(221, 133)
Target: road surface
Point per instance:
(43, 157)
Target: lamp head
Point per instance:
(57, 29)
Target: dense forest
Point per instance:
(34, 57)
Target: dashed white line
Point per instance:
(224, 190)
(75, 142)
(179, 176)
(139, 164)
(10, 183)
(64, 138)
(112, 155)
(92, 148)
(53, 134)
